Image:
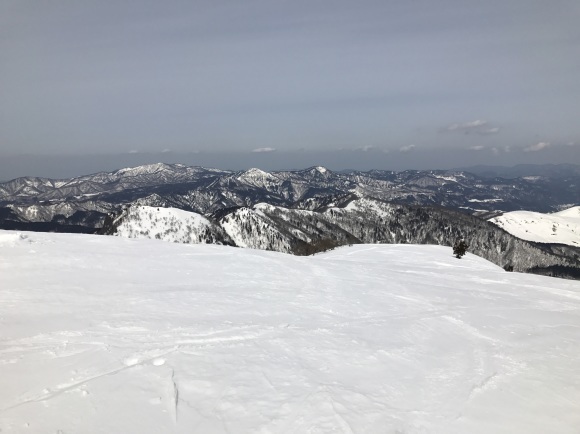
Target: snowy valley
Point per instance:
(115, 335)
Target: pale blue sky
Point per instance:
(366, 84)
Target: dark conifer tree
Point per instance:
(460, 248)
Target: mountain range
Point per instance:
(202, 190)
(301, 211)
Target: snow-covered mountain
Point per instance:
(208, 190)
(169, 224)
(561, 227)
(112, 335)
(252, 228)
(102, 183)
(347, 220)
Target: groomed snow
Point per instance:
(113, 335)
(561, 227)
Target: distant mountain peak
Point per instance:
(256, 171)
(317, 170)
(254, 175)
(147, 168)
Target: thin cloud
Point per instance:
(477, 148)
(260, 150)
(537, 147)
(477, 126)
(407, 148)
(467, 125)
(487, 131)
(495, 151)
(133, 151)
(366, 148)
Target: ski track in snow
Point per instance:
(106, 335)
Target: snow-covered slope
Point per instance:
(114, 335)
(251, 228)
(169, 224)
(561, 227)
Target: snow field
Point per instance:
(561, 227)
(113, 335)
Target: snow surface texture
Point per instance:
(561, 227)
(115, 335)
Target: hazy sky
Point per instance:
(283, 84)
